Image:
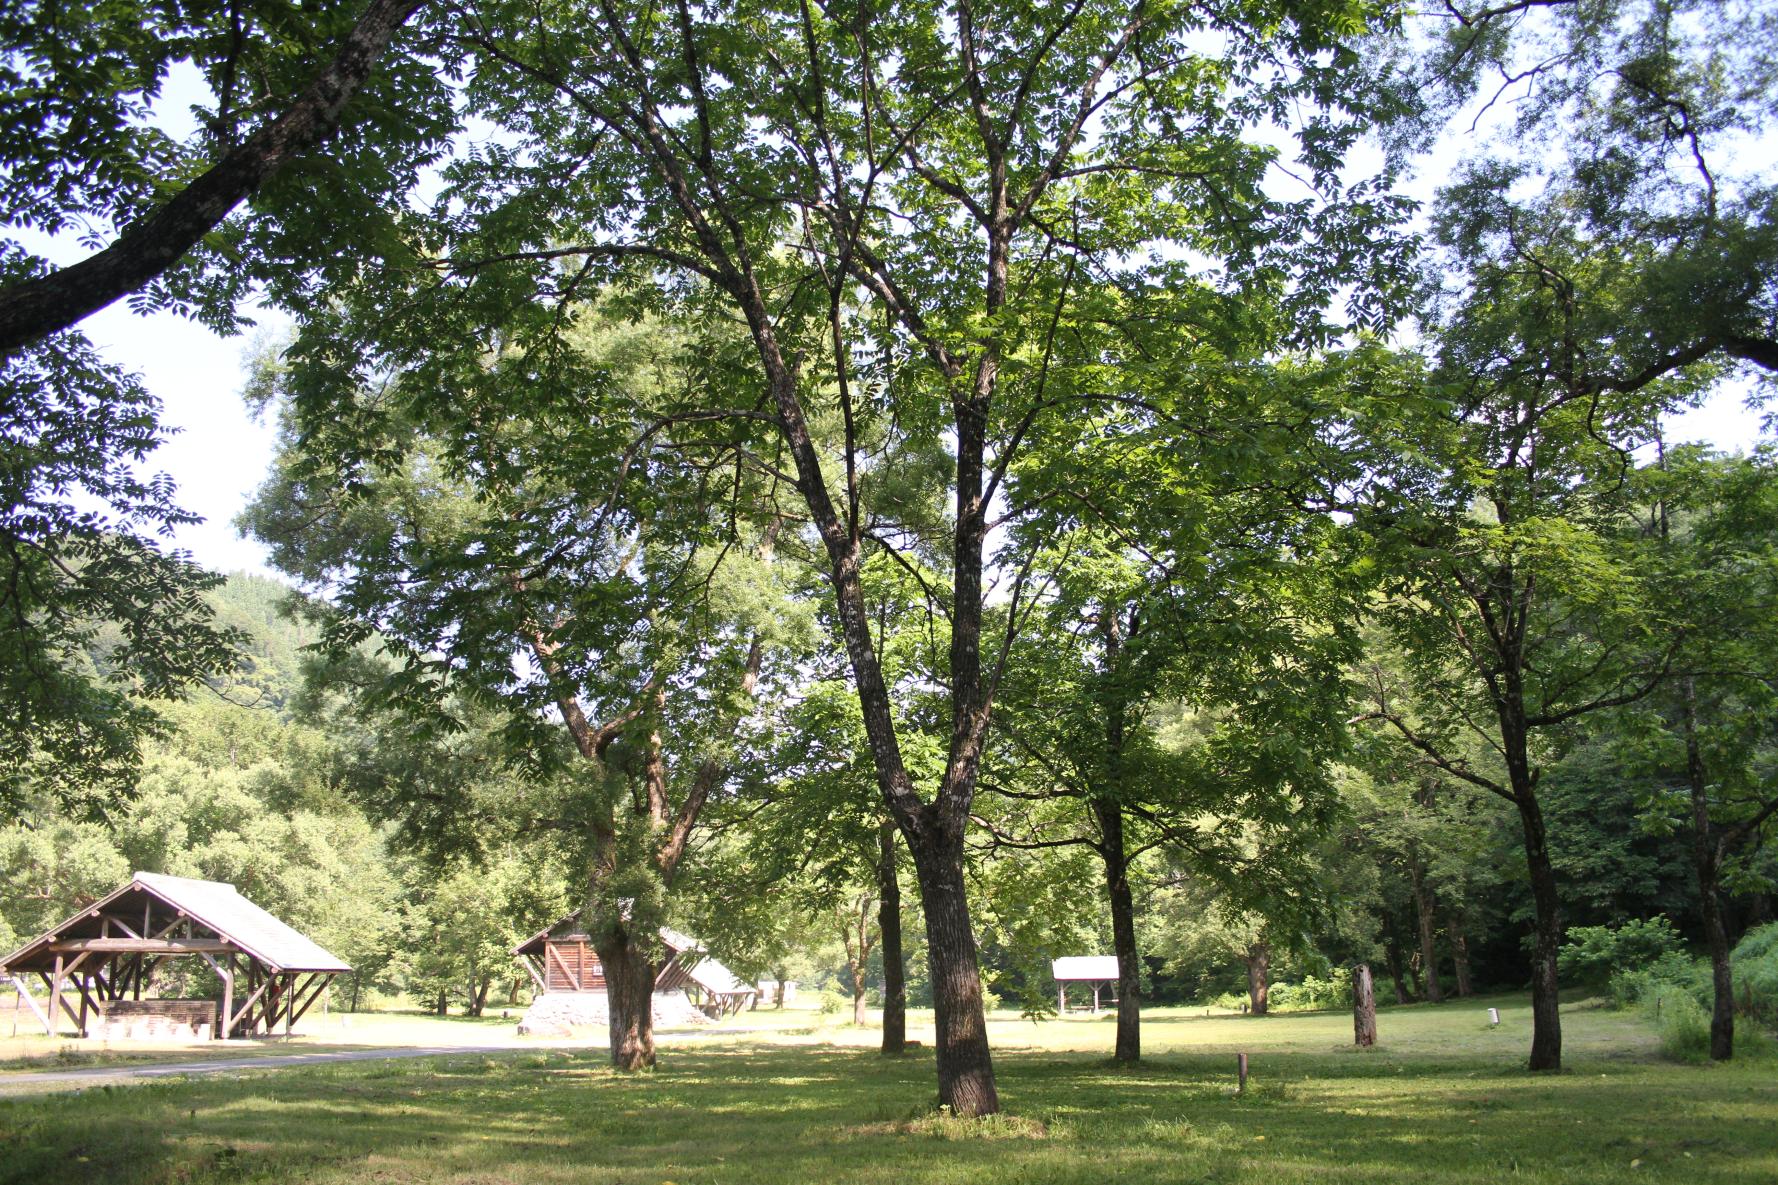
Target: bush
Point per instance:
(1682, 1022)
(1635, 985)
(1755, 961)
(1594, 954)
(1313, 994)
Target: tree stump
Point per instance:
(1364, 1007)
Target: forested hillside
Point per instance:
(244, 788)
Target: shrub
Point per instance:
(1682, 1022)
(1594, 954)
(1313, 994)
(1634, 985)
(1755, 961)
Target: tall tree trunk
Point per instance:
(895, 984)
(1109, 815)
(1259, 987)
(629, 996)
(1423, 906)
(1546, 1020)
(1392, 956)
(858, 996)
(965, 1067)
(1707, 862)
(1722, 975)
(478, 1003)
(442, 1005)
(1460, 954)
(1123, 929)
(934, 830)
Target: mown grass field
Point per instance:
(796, 1099)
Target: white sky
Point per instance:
(218, 455)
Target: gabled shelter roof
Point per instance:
(156, 901)
(705, 970)
(695, 962)
(1084, 968)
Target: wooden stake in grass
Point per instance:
(1364, 1007)
(1241, 1073)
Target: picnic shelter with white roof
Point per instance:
(1095, 970)
(107, 954)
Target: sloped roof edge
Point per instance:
(220, 907)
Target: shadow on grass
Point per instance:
(759, 1113)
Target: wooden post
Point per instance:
(1241, 1073)
(1095, 999)
(55, 997)
(1364, 1007)
(228, 998)
(1061, 999)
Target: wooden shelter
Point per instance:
(108, 951)
(1094, 970)
(562, 959)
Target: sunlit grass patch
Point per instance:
(1443, 1103)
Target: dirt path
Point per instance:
(29, 1082)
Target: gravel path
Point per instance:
(29, 1082)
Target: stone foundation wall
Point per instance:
(586, 1014)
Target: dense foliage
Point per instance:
(735, 456)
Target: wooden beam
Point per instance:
(171, 926)
(574, 979)
(326, 977)
(247, 1008)
(535, 971)
(108, 921)
(157, 946)
(18, 984)
(83, 986)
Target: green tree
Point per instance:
(98, 620)
(1182, 553)
(607, 611)
(1597, 263)
(965, 174)
(463, 922)
(1713, 730)
(83, 152)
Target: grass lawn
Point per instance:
(1444, 1099)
